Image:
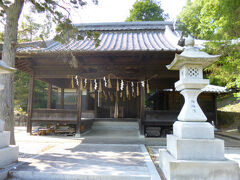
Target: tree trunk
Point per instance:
(8, 56)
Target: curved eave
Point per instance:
(96, 52)
(5, 69)
(180, 61)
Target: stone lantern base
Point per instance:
(194, 154)
(8, 153)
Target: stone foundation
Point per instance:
(196, 158)
(174, 169)
(8, 154)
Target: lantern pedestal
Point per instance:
(8, 154)
(174, 169)
(192, 151)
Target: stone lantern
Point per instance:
(192, 151)
(8, 153)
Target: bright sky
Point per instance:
(110, 11)
(114, 10)
(118, 10)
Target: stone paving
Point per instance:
(90, 161)
(59, 157)
(53, 154)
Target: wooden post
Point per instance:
(49, 100)
(215, 110)
(96, 104)
(79, 112)
(62, 98)
(142, 110)
(30, 103)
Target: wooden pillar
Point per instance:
(49, 100)
(79, 112)
(62, 98)
(95, 104)
(215, 109)
(30, 103)
(142, 110)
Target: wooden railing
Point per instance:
(59, 115)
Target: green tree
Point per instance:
(10, 12)
(29, 30)
(218, 21)
(211, 19)
(146, 10)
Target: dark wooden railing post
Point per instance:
(79, 112)
(30, 103)
(49, 100)
(142, 110)
(62, 98)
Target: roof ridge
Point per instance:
(136, 25)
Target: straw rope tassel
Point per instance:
(72, 82)
(91, 87)
(137, 89)
(100, 85)
(127, 92)
(81, 84)
(117, 85)
(148, 90)
(109, 83)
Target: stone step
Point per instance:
(8, 155)
(26, 175)
(4, 139)
(115, 125)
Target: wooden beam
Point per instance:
(49, 100)
(30, 103)
(79, 112)
(62, 98)
(142, 110)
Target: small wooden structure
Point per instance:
(133, 55)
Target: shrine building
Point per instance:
(124, 79)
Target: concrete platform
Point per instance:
(89, 162)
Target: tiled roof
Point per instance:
(125, 26)
(130, 36)
(215, 89)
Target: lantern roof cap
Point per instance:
(5, 69)
(192, 55)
